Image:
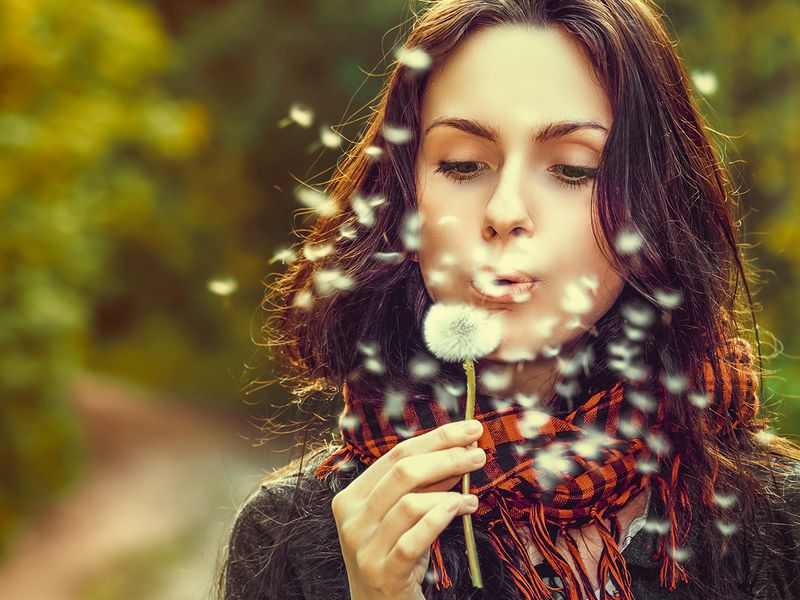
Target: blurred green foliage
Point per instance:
(142, 158)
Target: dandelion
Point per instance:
(414, 58)
(396, 135)
(628, 428)
(551, 464)
(628, 242)
(223, 286)
(545, 325)
(461, 332)
(317, 201)
(567, 389)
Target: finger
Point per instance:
(409, 510)
(413, 543)
(413, 472)
(448, 484)
(446, 436)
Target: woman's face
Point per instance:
(513, 127)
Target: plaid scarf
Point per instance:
(516, 489)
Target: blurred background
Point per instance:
(149, 153)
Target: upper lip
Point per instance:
(513, 276)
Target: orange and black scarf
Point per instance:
(509, 489)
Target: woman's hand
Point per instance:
(389, 516)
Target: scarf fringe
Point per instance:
(668, 545)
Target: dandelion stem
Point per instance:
(469, 535)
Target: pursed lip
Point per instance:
(517, 286)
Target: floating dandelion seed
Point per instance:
(591, 444)
(726, 527)
(328, 281)
(390, 257)
(633, 334)
(657, 443)
(284, 255)
(628, 428)
(680, 554)
(647, 466)
(455, 388)
(303, 300)
(301, 114)
(437, 278)
(447, 260)
(531, 422)
(641, 400)
(669, 299)
(406, 432)
(656, 526)
(675, 384)
(320, 203)
(496, 380)
(422, 366)
(500, 404)
(638, 315)
(373, 152)
(459, 332)
(551, 465)
(551, 351)
(725, 500)
(567, 389)
(447, 401)
(394, 403)
(364, 208)
(699, 399)
(414, 58)
(349, 423)
(628, 242)
(347, 232)
(223, 286)
(396, 135)
(590, 282)
(411, 231)
(374, 365)
(623, 349)
(526, 400)
(635, 373)
(765, 436)
(368, 349)
(706, 82)
(448, 220)
(329, 138)
(312, 252)
(575, 299)
(545, 324)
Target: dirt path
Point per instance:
(149, 517)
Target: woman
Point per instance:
(550, 167)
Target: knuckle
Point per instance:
(406, 506)
(399, 452)
(404, 471)
(405, 550)
(458, 457)
(446, 435)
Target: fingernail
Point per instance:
(473, 426)
(471, 501)
(477, 455)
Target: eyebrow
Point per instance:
(545, 133)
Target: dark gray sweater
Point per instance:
(313, 567)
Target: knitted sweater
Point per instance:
(314, 568)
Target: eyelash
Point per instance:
(448, 169)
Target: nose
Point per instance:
(506, 214)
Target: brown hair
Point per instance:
(660, 175)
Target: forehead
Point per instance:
(512, 75)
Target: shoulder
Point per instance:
(775, 565)
(284, 541)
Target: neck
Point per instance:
(536, 379)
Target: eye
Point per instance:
(455, 170)
(572, 176)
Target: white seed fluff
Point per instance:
(414, 58)
(301, 114)
(396, 135)
(458, 332)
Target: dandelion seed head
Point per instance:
(422, 367)
(329, 138)
(591, 444)
(301, 114)
(628, 242)
(328, 281)
(396, 135)
(222, 286)
(322, 204)
(669, 299)
(551, 465)
(459, 332)
(315, 252)
(414, 58)
(573, 323)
